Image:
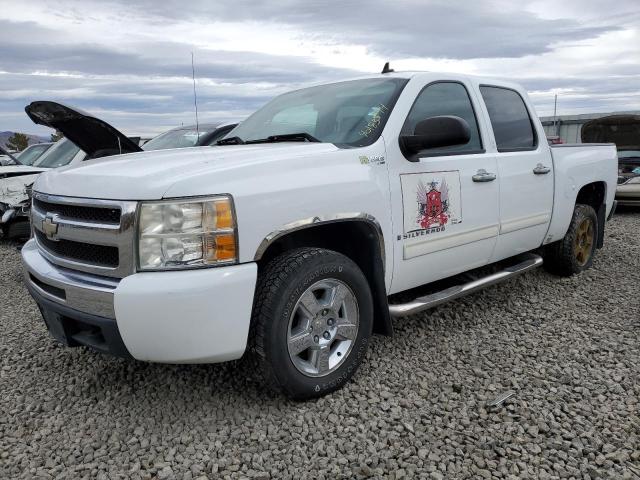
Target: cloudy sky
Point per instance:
(129, 62)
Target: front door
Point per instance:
(445, 200)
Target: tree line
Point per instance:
(20, 141)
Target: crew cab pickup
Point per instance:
(291, 236)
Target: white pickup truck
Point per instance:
(290, 237)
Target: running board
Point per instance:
(529, 262)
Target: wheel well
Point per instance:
(357, 239)
(594, 195)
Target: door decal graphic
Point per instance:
(431, 203)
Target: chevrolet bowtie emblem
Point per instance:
(50, 227)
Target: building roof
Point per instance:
(583, 118)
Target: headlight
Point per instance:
(190, 233)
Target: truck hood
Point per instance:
(96, 137)
(18, 170)
(623, 130)
(149, 175)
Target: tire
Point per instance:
(574, 253)
(17, 229)
(305, 344)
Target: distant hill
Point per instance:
(4, 136)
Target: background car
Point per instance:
(30, 154)
(624, 131)
(190, 136)
(6, 159)
(86, 137)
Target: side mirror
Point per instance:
(434, 132)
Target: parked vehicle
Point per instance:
(87, 137)
(312, 213)
(30, 154)
(7, 157)
(624, 131)
(190, 136)
(16, 182)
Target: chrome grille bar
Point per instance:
(78, 220)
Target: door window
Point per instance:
(445, 98)
(512, 125)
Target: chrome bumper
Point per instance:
(79, 291)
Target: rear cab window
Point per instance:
(512, 125)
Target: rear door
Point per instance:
(525, 170)
(445, 200)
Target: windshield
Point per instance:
(60, 154)
(31, 154)
(628, 153)
(351, 113)
(176, 139)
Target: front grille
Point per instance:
(79, 212)
(100, 255)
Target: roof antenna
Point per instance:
(195, 98)
(386, 68)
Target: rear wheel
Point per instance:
(574, 253)
(312, 317)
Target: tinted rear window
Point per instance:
(510, 119)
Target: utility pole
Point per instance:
(555, 116)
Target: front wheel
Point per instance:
(574, 253)
(313, 317)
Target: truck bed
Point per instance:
(579, 164)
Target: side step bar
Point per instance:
(529, 262)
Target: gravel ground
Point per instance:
(568, 348)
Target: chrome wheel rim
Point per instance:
(323, 327)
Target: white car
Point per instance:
(7, 157)
(16, 182)
(298, 228)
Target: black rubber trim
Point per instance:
(601, 213)
(613, 210)
(382, 323)
(74, 328)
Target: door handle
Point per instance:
(483, 176)
(541, 169)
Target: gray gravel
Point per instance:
(568, 348)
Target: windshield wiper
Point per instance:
(287, 137)
(230, 141)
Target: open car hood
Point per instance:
(623, 130)
(96, 137)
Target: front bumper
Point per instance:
(190, 316)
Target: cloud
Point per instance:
(130, 62)
(413, 28)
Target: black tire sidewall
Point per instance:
(331, 265)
